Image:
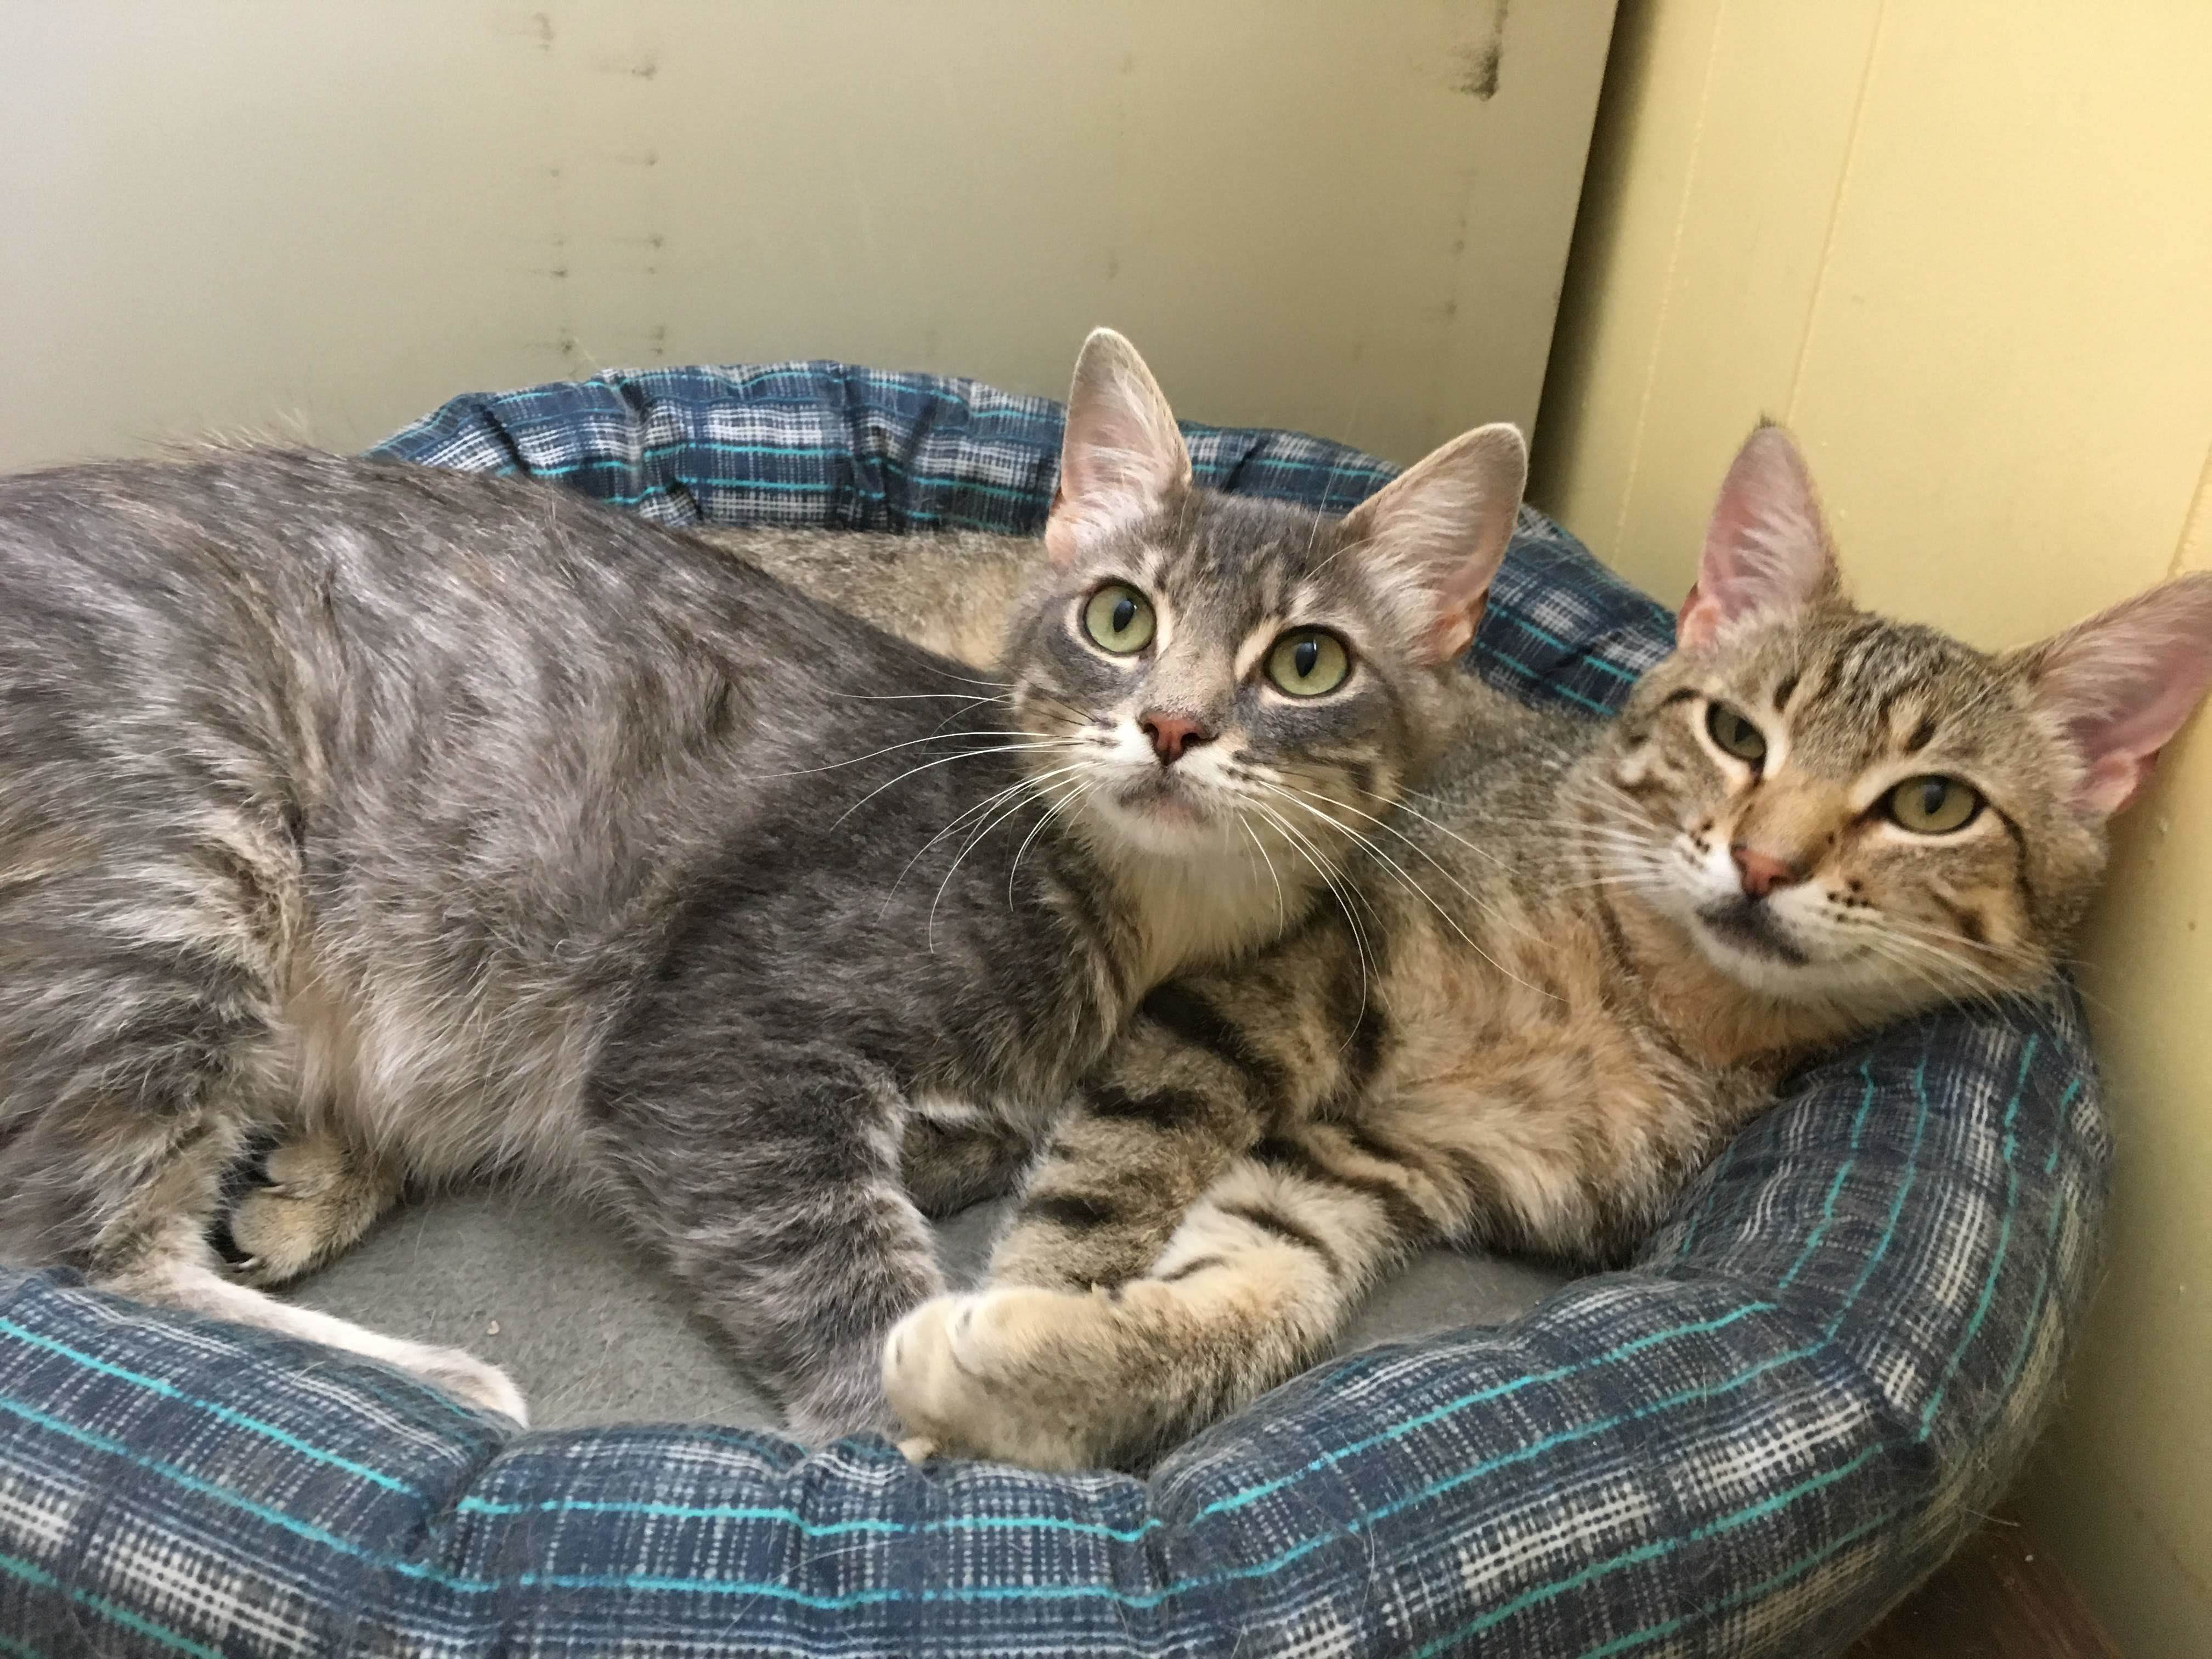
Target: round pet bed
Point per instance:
(1754, 1439)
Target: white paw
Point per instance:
(468, 1379)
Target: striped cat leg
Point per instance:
(1259, 1277)
(1112, 1187)
(1203, 1067)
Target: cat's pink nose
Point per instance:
(1172, 734)
(1762, 872)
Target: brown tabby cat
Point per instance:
(1563, 984)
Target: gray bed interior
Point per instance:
(595, 1333)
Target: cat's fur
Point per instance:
(472, 825)
(952, 592)
(1574, 967)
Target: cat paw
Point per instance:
(998, 1374)
(468, 1379)
(308, 1201)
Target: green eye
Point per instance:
(1119, 619)
(1735, 734)
(1308, 663)
(1933, 806)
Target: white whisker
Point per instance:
(971, 754)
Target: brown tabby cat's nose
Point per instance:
(1762, 873)
(1172, 734)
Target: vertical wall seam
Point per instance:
(1667, 287)
(2197, 523)
(1835, 212)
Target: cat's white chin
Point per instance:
(1813, 973)
(1163, 815)
(1791, 978)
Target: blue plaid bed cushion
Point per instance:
(1834, 1354)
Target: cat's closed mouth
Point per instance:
(1164, 796)
(1750, 927)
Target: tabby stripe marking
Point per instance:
(1182, 1012)
(1967, 919)
(1404, 1214)
(1164, 1109)
(1196, 1265)
(1274, 1222)
(1364, 1050)
(1485, 1200)
(1074, 1210)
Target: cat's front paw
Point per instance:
(999, 1374)
(305, 1202)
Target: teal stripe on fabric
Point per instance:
(455, 1582)
(1805, 1563)
(412, 1570)
(1550, 1443)
(675, 446)
(2050, 1240)
(1582, 652)
(1767, 1586)
(1551, 687)
(1480, 1397)
(1657, 1550)
(1897, 1204)
(31, 1573)
(190, 1482)
(221, 1412)
(1298, 463)
(2005, 1148)
(651, 1508)
(1836, 1186)
(1411, 1500)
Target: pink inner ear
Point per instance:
(1060, 538)
(1695, 622)
(1453, 631)
(1765, 547)
(2123, 684)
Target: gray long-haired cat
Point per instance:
(469, 824)
(1807, 822)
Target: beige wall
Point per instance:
(1350, 219)
(1964, 247)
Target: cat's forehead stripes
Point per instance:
(1254, 567)
(1865, 689)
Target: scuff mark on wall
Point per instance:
(1480, 65)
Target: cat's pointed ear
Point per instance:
(1123, 456)
(2121, 684)
(1446, 522)
(1766, 548)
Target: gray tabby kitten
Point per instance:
(467, 824)
(1570, 973)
